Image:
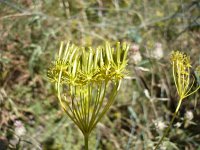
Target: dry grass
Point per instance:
(30, 32)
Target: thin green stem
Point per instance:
(99, 90)
(170, 125)
(86, 138)
(174, 76)
(106, 107)
(99, 105)
(193, 91)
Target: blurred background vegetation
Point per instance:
(30, 33)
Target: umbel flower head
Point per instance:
(181, 67)
(182, 74)
(83, 75)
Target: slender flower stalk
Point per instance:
(181, 66)
(82, 77)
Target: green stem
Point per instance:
(86, 136)
(170, 125)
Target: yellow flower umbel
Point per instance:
(82, 77)
(181, 66)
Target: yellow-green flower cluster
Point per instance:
(182, 62)
(181, 72)
(82, 77)
(81, 66)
